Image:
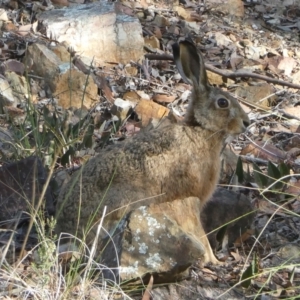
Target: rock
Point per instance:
(69, 85)
(224, 207)
(18, 85)
(165, 239)
(97, 31)
(21, 184)
(6, 94)
(161, 239)
(61, 52)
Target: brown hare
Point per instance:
(172, 161)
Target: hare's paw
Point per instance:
(209, 257)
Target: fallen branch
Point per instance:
(228, 74)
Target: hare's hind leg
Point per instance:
(209, 256)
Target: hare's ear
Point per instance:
(190, 64)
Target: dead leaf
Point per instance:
(147, 110)
(3, 15)
(9, 27)
(132, 96)
(214, 79)
(210, 273)
(24, 29)
(236, 255)
(264, 151)
(222, 40)
(152, 41)
(13, 65)
(131, 70)
(244, 237)
(280, 128)
(293, 188)
(13, 112)
(287, 64)
(293, 110)
(164, 98)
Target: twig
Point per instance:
(252, 159)
(229, 74)
(237, 74)
(287, 115)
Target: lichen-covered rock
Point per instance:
(162, 239)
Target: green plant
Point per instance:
(275, 177)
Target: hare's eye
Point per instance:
(223, 103)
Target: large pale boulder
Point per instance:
(97, 31)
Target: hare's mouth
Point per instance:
(230, 138)
(231, 135)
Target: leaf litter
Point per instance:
(261, 52)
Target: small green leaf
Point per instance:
(260, 178)
(274, 174)
(273, 171)
(246, 277)
(250, 272)
(284, 169)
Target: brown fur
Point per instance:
(171, 161)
